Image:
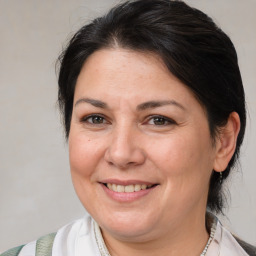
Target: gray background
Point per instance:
(36, 194)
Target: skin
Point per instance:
(125, 140)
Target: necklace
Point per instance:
(104, 251)
(213, 229)
(99, 240)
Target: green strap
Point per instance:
(44, 245)
(13, 252)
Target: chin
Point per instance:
(126, 226)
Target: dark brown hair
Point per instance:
(190, 44)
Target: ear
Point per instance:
(226, 142)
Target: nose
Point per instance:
(124, 150)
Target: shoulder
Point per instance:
(226, 243)
(42, 246)
(250, 249)
(26, 249)
(231, 243)
(47, 244)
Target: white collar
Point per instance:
(222, 244)
(83, 237)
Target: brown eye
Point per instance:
(97, 119)
(160, 121)
(94, 119)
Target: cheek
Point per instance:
(84, 155)
(185, 155)
(173, 152)
(185, 167)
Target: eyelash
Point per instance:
(85, 119)
(155, 118)
(166, 120)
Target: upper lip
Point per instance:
(126, 182)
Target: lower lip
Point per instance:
(127, 197)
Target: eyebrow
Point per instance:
(157, 104)
(95, 103)
(140, 107)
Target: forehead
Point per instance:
(123, 64)
(121, 71)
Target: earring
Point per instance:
(221, 178)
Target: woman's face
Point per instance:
(141, 154)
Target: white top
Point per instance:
(83, 238)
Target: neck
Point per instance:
(187, 237)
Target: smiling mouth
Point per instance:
(128, 188)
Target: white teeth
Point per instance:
(137, 187)
(128, 188)
(120, 188)
(143, 186)
(114, 187)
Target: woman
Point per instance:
(154, 112)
